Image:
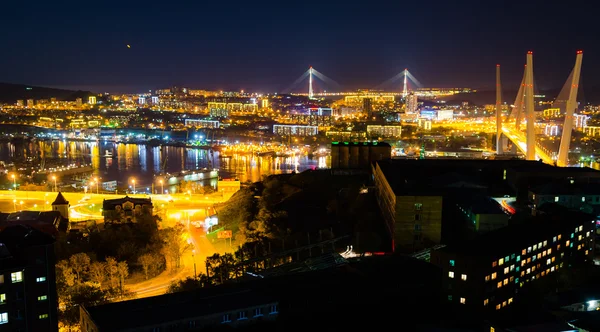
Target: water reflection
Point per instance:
(123, 162)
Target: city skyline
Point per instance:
(133, 48)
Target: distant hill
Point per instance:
(10, 93)
(482, 97)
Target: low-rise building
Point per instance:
(194, 310)
(126, 209)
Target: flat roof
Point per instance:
(517, 236)
(174, 307)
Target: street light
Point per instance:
(15, 204)
(54, 178)
(162, 186)
(97, 188)
(21, 205)
(14, 181)
(133, 182)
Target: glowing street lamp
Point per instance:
(15, 204)
(54, 178)
(162, 186)
(21, 202)
(14, 181)
(97, 182)
(133, 182)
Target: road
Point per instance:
(520, 140)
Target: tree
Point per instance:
(189, 284)
(111, 268)
(122, 273)
(80, 263)
(98, 272)
(174, 244)
(65, 273)
(147, 261)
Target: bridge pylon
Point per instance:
(573, 86)
(499, 147)
(529, 109)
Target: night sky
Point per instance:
(265, 46)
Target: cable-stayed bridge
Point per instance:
(523, 111)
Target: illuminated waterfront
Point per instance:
(122, 162)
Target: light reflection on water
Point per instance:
(122, 162)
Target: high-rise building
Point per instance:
(79, 102)
(368, 107)
(142, 100)
(20, 103)
(155, 100)
(411, 103)
(92, 100)
(491, 272)
(30, 103)
(264, 103)
(28, 300)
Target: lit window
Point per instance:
(487, 278)
(580, 228)
(16, 276)
(2, 298)
(580, 237)
(506, 270)
(556, 198)
(507, 258)
(572, 235)
(463, 277)
(548, 261)
(518, 268)
(553, 259)
(576, 230)
(528, 249)
(42, 298)
(3, 317)
(540, 246)
(486, 302)
(499, 284)
(559, 236)
(258, 312)
(493, 275)
(516, 280)
(523, 252)
(510, 300)
(505, 282)
(518, 258)
(418, 206)
(583, 199)
(501, 261)
(226, 319)
(242, 315)
(503, 304)
(512, 279)
(512, 256)
(498, 307)
(451, 274)
(512, 267)
(523, 263)
(463, 300)
(545, 243)
(494, 263)
(1, 279)
(554, 239)
(452, 262)
(528, 271)
(449, 297)
(40, 279)
(535, 247)
(549, 251)
(567, 243)
(43, 316)
(273, 309)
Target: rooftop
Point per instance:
(13, 238)
(564, 188)
(381, 144)
(516, 236)
(110, 203)
(60, 200)
(174, 307)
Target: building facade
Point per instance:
(486, 274)
(358, 154)
(126, 210)
(28, 300)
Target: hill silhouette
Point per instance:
(10, 93)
